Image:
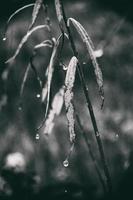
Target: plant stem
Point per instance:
(89, 105)
(91, 153)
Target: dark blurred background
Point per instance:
(36, 166)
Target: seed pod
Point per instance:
(91, 52)
(69, 83)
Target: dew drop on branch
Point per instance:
(4, 39)
(38, 95)
(66, 163)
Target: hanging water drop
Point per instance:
(84, 63)
(66, 163)
(38, 95)
(37, 136)
(65, 191)
(4, 39)
(20, 108)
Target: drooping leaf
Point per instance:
(58, 101)
(56, 108)
(50, 70)
(59, 13)
(68, 96)
(45, 43)
(24, 40)
(91, 52)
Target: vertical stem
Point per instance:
(89, 105)
(91, 153)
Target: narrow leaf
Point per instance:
(90, 48)
(52, 63)
(24, 40)
(57, 105)
(35, 12)
(44, 92)
(59, 13)
(45, 43)
(36, 73)
(53, 60)
(23, 83)
(58, 101)
(69, 83)
(16, 12)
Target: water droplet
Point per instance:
(37, 136)
(66, 163)
(65, 67)
(116, 135)
(98, 53)
(65, 191)
(38, 95)
(84, 63)
(4, 39)
(19, 108)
